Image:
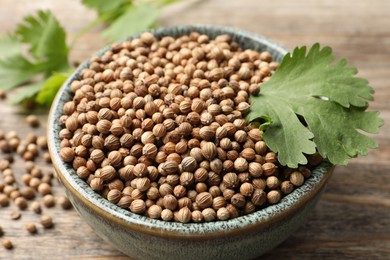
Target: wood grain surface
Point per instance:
(351, 221)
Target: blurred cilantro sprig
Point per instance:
(36, 54)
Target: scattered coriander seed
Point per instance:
(4, 201)
(44, 189)
(3, 94)
(32, 120)
(64, 202)
(48, 201)
(27, 192)
(15, 215)
(46, 157)
(7, 244)
(21, 203)
(36, 207)
(46, 221)
(31, 228)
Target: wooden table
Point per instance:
(352, 220)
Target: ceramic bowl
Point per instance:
(140, 237)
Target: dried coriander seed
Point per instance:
(7, 244)
(36, 207)
(31, 228)
(15, 215)
(46, 221)
(21, 203)
(64, 202)
(48, 201)
(32, 120)
(4, 201)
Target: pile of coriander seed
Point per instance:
(157, 126)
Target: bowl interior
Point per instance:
(100, 205)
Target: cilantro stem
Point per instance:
(85, 29)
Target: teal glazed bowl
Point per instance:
(140, 237)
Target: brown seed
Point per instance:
(240, 164)
(272, 182)
(125, 201)
(48, 201)
(96, 184)
(259, 197)
(154, 211)
(138, 206)
(230, 180)
(67, 154)
(246, 189)
(218, 202)
(46, 221)
(166, 215)
(268, 169)
(248, 154)
(249, 208)
(143, 184)
(240, 136)
(189, 164)
(197, 216)
(297, 178)
(255, 169)
(107, 173)
(21, 203)
(42, 142)
(15, 215)
(31, 228)
(3, 94)
(32, 120)
(140, 170)
(273, 196)
(183, 215)
(7, 244)
(44, 189)
(204, 200)
(209, 150)
(209, 214)
(64, 202)
(223, 213)
(36, 207)
(286, 187)
(170, 202)
(4, 201)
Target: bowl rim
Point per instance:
(260, 219)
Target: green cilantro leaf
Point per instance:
(9, 47)
(46, 39)
(50, 88)
(314, 103)
(135, 19)
(26, 94)
(16, 70)
(108, 10)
